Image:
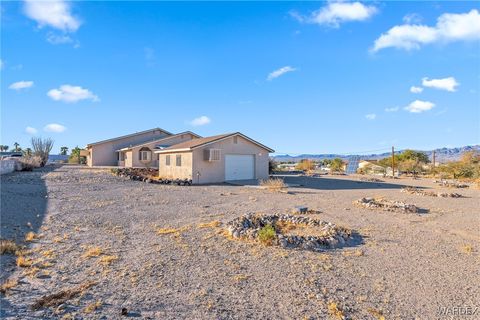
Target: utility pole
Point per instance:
(433, 163)
(393, 162)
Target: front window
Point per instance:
(179, 160)
(145, 154)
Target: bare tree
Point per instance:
(42, 147)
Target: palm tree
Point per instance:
(3, 147)
(63, 150)
(16, 145)
(28, 152)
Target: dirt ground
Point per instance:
(99, 231)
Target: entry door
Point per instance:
(239, 167)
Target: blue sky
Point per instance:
(301, 77)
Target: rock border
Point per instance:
(249, 225)
(133, 174)
(387, 205)
(422, 192)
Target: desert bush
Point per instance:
(305, 165)
(30, 162)
(273, 184)
(41, 148)
(8, 247)
(267, 234)
(337, 165)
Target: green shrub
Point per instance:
(267, 235)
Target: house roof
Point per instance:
(158, 140)
(196, 143)
(128, 136)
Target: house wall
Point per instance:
(155, 163)
(104, 154)
(173, 171)
(214, 171)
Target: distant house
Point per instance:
(105, 152)
(215, 159)
(371, 167)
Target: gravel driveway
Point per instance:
(92, 227)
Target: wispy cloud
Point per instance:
(419, 106)
(53, 13)
(31, 130)
(447, 84)
(414, 89)
(71, 94)
(371, 116)
(450, 27)
(20, 85)
(200, 121)
(337, 12)
(279, 72)
(394, 109)
(54, 127)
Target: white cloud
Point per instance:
(54, 127)
(31, 130)
(371, 116)
(414, 89)
(71, 94)
(337, 12)
(448, 84)
(419, 106)
(412, 18)
(58, 39)
(450, 27)
(200, 121)
(21, 85)
(277, 73)
(54, 13)
(394, 109)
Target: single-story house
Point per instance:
(371, 167)
(215, 159)
(104, 153)
(141, 155)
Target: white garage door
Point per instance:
(239, 167)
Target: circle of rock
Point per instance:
(383, 204)
(248, 226)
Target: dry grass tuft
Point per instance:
(58, 298)
(8, 247)
(7, 285)
(353, 253)
(273, 184)
(241, 277)
(92, 306)
(107, 260)
(334, 310)
(31, 272)
(174, 231)
(467, 248)
(92, 252)
(212, 224)
(48, 254)
(376, 313)
(30, 236)
(24, 262)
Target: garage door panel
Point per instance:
(239, 167)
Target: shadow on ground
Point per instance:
(23, 204)
(336, 184)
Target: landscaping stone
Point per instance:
(421, 192)
(386, 205)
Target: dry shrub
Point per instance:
(92, 252)
(467, 248)
(376, 313)
(174, 231)
(58, 298)
(24, 262)
(92, 306)
(30, 236)
(333, 310)
(213, 224)
(8, 247)
(30, 163)
(273, 184)
(7, 285)
(354, 253)
(107, 260)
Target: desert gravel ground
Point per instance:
(402, 266)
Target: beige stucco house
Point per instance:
(215, 159)
(104, 153)
(142, 155)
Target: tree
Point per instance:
(272, 165)
(3, 147)
(41, 148)
(16, 145)
(27, 152)
(305, 165)
(75, 156)
(63, 151)
(337, 165)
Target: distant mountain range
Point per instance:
(441, 155)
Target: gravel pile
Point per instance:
(331, 236)
(452, 184)
(421, 192)
(387, 205)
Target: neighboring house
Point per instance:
(141, 155)
(215, 159)
(104, 153)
